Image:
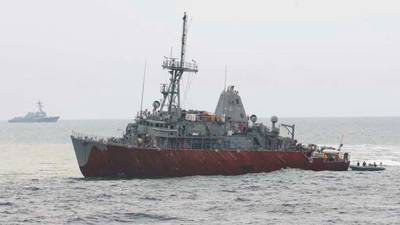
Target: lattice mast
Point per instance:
(176, 67)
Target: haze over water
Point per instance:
(40, 182)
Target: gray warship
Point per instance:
(169, 141)
(39, 116)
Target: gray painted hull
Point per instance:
(30, 120)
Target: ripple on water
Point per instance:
(6, 204)
(240, 199)
(77, 220)
(103, 195)
(143, 217)
(31, 188)
(229, 191)
(148, 198)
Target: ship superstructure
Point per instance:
(39, 116)
(171, 141)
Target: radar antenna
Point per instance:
(341, 143)
(176, 67)
(143, 81)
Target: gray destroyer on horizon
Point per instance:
(39, 116)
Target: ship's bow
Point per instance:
(83, 147)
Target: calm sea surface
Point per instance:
(40, 182)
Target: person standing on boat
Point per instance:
(364, 164)
(358, 163)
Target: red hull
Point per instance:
(133, 162)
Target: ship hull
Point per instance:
(30, 120)
(112, 160)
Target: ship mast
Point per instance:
(40, 106)
(171, 92)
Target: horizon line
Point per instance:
(292, 117)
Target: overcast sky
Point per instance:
(304, 58)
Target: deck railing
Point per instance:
(175, 64)
(95, 138)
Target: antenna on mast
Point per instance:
(184, 37)
(40, 106)
(176, 67)
(144, 79)
(223, 97)
(226, 71)
(341, 143)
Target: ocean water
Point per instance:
(40, 182)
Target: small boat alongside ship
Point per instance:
(169, 141)
(367, 168)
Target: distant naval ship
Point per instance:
(35, 117)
